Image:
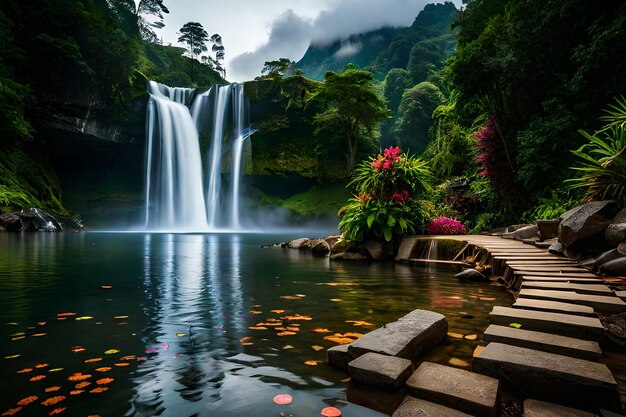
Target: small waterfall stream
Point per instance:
(185, 186)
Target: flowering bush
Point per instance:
(445, 226)
(385, 204)
(491, 154)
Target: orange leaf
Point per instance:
(360, 323)
(246, 339)
(331, 412)
(104, 381)
(128, 358)
(278, 311)
(82, 385)
(312, 363)
(76, 392)
(27, 400)
(293, 329)
(42, 365)
(122, 364)
(285, 333)
(77, 349)
(25, 370)
(322, 331)
(317, 348)
(53, 400)
(297, 317)
(37, 378)
(66, 314)
(93, 360)
(11, 411)
(104, 369)
(280, 329)
(339, 339)
(38, 334)
(106, 287)
(283, 399)
(270, 323)
(257, 328)
(57, 411)
(292, 297)
(79, 377)
(52, 389)
(98, 390)
(255, 312)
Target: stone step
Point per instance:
(553, 268)
(389, 372)
(532, 258)
(593, 289)
(554, 307)
(546, 342)
(471, 393)
(561, 279)
(540, 263)
(414, 407)
(339, 357)
(600, 303)
(535, 408)
(530, 373)
(621, 294)
(408, 337)
(556, 274)
(588, 328)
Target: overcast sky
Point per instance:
(255, 31)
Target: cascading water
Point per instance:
(182, 192)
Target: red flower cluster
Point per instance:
(491, 155)
(400, 197)
(390, 156)
(445, 226)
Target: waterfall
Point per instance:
(184, 181)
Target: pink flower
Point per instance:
(397, 197)
(445, 226)
(377, 164)
(392, 153)
(387, 165)
(405, 195)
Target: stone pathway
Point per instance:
(544, 349)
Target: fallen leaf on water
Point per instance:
(286, 333)
(257, 328)
(280, 329)
(61, 318)
(17, 334)
(27, 400)
(38, 334)
(331, 412)
(104, 369)
(82, 385)
(516, 325)
(98, 390)
(84, 318)
(317, 348)
(293, 297)
(92, 360)
(78, 377)
(486, 299)
(53, 400)
(55, 370)
(293, 329)
(246, 339)
(278, 311)
(106, 287)
(12, 356)
(18, 338)
(42, 365)
(255, 312)
(286, 347)
(322, 330)
(12, 411)
(37, 378)
(77, 349)
(336, 300)
(122, 364)
(120, 317)
(458, 362)
(130, 357)
(342, 339)
(41, 323)
(348, 379)
(65, 314)
(180, 334)
(455, 335)
(360, 323)
(142, 358)
(312, 363)
(471, 336)
(297, 317)
(57, 411)
(283, 399)
(52, 389)
(104, 381)
(76, 392)
(353, 335)
(111, 351)
(25, 370)
(270, 324)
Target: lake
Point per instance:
(115, 324)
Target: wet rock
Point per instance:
(348, 256)
(557, 248)
(548, 229)
(342, 246)
(375, 250)
(339, 357)
(615, 325)
(586, 222)
(297, 243)
(621, 248)
(616, 267)
(414, 407)
(311, 243)
(616, 231)
(545, 244)
(388, 372)
(534, 408)
(331, 240)
(470, 274)
(36, 220)
(523, 233)
(10, 222)
(322, 247)
(606, 257)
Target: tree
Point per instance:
(194, 35)
(218, 48)
(279, 68)
(350, 107)
(147, 8)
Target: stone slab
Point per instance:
(339, 357)
(407, 246)
(554, 307)
(600, 303)
(388, 372)
(553, 268)
(407, 337)
(414, 407)
(536, 408)
(561, 279)
(531, 373)
(588, 328)
(557, 274)
(594, 289)
(466, 391)
(621, 294)
(546, 342)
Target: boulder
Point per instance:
(414, 407)
(375, 249)
(339, 357)
(388, 372)
(527, 232)
(297, 243)
(311, 243)
(606, 257)
(616, 267)
(621, 248)
(331, 240)
(10, 222)
(322, 247)
(586, 222)
(37, 220)
(616, 231)
(557, 248)
(348, 256)
(342, 246)
(545, 244)
(548, 229)
(471, 275)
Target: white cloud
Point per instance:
(348, 49)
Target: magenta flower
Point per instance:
(445, 226)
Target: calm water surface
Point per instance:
(162, 323)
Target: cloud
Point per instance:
(348, 49)
(290, 36)
(351, 17)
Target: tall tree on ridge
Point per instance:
(218, 48)
(194, 35)
(150, 8)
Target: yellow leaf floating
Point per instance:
(297, 317)
(336, 300)
(270, 324)
(471, 336)
(18, 338)
(322, 331)
(342, 339)
(360, 323)
(120, 317)
(278, 311)
(12, 356)
(455, 335)
(293, 297)
(255, 312)
(55, 370)
(111, 351)
(286, 333)
(84, 318)
(180, 334)
(317, 348)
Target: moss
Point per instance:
(318, 201)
